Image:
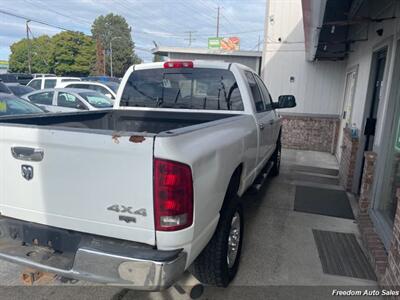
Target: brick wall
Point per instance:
(376, 251)
(367, 180)
(391, 278)
(348, 159)
(386, 264)
(310, 133)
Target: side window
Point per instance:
(45, 98)
(264, 92)
(49, 83)
(100, 89)
(69, 100)
(35, 84)
(77, 86)
(255, 91)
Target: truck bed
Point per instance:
(152, 122)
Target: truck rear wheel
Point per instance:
(219, 262)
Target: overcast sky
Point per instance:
(164, 21)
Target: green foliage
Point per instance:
(157, 58)
(66, 53)
(113, 30)
(41, 50)
(74, 54)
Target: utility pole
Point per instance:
(104, 62)
(218, 8)
(190, 39)
(111, 55)
(111, 59)
(29, 47)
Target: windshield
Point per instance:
(20, 90)
(201, 88)
(112, 85)
(4, 89)
(16, 106)
(96, 99)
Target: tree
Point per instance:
(114, 32)
(158, 58)
(74, 54)
(41, 49)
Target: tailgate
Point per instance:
(87, 182)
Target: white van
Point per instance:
(49, 82)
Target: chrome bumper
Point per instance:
(112, 265)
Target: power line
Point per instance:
(32, 20)
(45, 7)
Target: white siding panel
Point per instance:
(318, 86)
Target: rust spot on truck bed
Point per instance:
(137, 139)
(115, 137)
(34, 277)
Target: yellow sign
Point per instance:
(3, 106)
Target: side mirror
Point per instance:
(108, 95)
(285, 101)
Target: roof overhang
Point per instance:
(165, 51)
(326, 27)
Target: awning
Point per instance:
(326, 27)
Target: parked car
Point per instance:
(12, 105)
(101, 79)
(63, 100)
(21, 78)
(108, 89)
(38, 75)
(19, 89)
(147, 189)
(49, 82)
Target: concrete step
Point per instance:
(316, 170)
(318, 185)
(312, 177)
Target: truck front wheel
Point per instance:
(219, 262)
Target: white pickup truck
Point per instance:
(136, 195)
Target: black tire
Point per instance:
(211, 266)
(276, 158)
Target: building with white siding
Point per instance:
(341, 59)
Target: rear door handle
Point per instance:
(27, 153)
(271, 122)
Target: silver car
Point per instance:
(66, 99)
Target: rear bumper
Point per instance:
(94, 259)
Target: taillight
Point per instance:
(178, 64)
(173, 195)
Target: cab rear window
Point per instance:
(198, 88)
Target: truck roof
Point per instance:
(215, 64)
